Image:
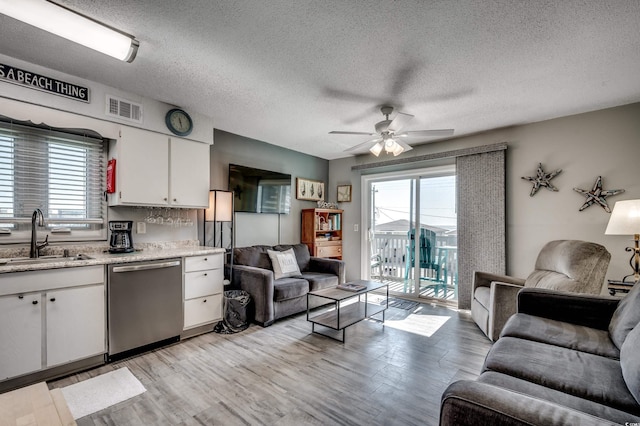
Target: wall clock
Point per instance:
(344, 193)
(179, 122)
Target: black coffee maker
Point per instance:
(121, 241)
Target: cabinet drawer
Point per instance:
(49, 279)
(328, 251)
(202, 283)
(202, 310)
(199, 263)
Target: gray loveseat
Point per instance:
(273, 298)
(562, 359)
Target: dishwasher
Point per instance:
(144, 305)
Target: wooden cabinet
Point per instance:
(203, 286)
(322, 232)
(50, 317)
(153, 169)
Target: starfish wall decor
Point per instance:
(597, 195)
(542, 179)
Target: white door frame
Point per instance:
(365, 203)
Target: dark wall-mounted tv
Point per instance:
(259, 191)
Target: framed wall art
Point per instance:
(344, 193)
(307, 189)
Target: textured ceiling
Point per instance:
(289, 71)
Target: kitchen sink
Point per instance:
(43, 259)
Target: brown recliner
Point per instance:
(565, 265)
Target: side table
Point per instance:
(615, 286)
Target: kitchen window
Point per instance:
(59, 172)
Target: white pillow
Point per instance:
(284, 263)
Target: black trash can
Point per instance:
(234, 312)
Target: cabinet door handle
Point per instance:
(204, 301)
(20, 296)
(205, 259)
(205, 274)
(35, 302)
(175, 200)
(164, 199)
(53, 299)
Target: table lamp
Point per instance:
(625, 220)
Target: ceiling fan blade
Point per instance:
(351, 133)
(426, 133)
(400, 121)
(362, 145)
(403, 144)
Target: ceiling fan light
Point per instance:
(389, 143)
(377, 149)
(397, 150)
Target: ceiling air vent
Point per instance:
(123, 109)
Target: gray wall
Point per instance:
(602, 143)
(252, 228)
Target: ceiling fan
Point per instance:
(388, 136)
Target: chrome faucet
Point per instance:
(37, 219)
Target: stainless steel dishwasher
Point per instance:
(145, 304)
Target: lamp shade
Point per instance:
(220, 207)
(625, 218)
(377, 148)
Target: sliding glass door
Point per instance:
(412, 232)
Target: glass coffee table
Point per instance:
(337, 309)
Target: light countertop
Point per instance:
(105, 258)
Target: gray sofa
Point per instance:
(564, 358)
(277, 298)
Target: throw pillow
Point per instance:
(630, 362)
(625, 317)
(284, 263)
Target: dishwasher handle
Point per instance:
(146, 266)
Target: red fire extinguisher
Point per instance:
(111, 176)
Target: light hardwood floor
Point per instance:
(391, 374)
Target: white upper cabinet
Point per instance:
(153, 169)
(188, 173)
(142, 168)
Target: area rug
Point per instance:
(402, 304)
(102, 391)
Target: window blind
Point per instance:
(481, 218)
(60, 173)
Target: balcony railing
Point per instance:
(392, 249)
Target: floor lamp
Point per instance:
(220, 211)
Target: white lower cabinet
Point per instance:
(203, 286)
(75, 323)
(20, 334)
(50, 318)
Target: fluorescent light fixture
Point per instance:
(65, 23)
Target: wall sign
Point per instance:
(46, 84)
